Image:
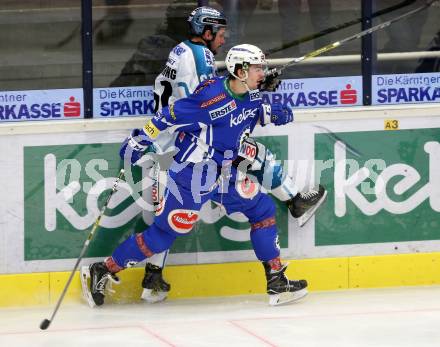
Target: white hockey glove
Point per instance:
(275, 113)
(135, 145)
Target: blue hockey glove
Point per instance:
(275, 113)
(135, 145)
(280, 114)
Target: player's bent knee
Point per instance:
(266, 209)
(158, 239)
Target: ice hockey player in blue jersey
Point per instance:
(189, 63)
(207, 167)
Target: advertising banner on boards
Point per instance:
(65, 186)
(32, 105)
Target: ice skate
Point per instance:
(94, 280)
(281, 290)
(155, 287)
(304, 205)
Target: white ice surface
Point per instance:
(402, 317)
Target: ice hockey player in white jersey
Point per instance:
(190, 63)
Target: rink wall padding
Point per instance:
(247, 278)
(56, 175)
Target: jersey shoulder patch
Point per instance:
(179, 49)
(205, 86)
(209, 57)
(209, 94)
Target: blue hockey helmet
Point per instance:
(203, 17)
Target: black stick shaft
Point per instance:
(338, 27)
(371, 30)
(45, 323)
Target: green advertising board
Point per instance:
(390, 192)
(66, 185)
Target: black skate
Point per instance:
(304, 205)
(280, 289)
(155, 287)
(99, 276)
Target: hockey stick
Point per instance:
(371, 30)
(46, 322)
(276, 72)
(339, 27)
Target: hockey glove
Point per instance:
(275, 113)
(280, 114)
(135, 145)
(271, 81)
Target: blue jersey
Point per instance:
(212, 122)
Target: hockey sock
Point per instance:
(131, 251)
(264, 239)
(140, 246)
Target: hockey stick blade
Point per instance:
(46, 322)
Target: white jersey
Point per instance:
(188, 64)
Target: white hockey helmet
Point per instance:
(244, 55)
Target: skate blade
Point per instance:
(85, 277)
(152, 297)
(284, 298)
(308, 214)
